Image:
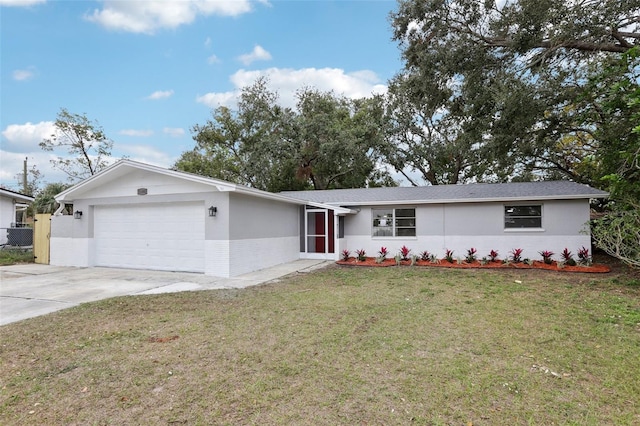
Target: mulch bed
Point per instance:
(371, 262)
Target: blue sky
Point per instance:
(148, 71)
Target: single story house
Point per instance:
(135, 215)
(11, 204)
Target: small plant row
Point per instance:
(515, 256)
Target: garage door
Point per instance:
(168, 237)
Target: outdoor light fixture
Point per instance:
(212, 211)
(78, 214)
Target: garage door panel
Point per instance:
(150, 236)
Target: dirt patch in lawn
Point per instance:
(442, 263)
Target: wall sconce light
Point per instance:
(78, 214)
(212, 211)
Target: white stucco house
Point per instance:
(134, 215)
(10, 204)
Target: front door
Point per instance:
(319, 241)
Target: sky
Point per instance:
(148, 71)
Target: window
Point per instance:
(394, 222)
(523, 216)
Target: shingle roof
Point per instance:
(515, 191)
(13, 194)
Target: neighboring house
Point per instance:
(134, 215)
(11, 203)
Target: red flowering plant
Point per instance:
(567, 257)
(448, 256)
(425, 255)
(362, 255)
(404, 252)
(516, 255)
(471, 255)
(493, 255)
(345, 254)
(547, 256)
(583, 256)
(383, 252)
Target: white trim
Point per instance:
(15, 195)
(374, 203)
(219, 185)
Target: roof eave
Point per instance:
(220, 185)
(470, 200)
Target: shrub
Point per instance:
(493, 255)
(425, 255)
(414, 260)
(516, 255)
(362, 255)
(547, 256)
(345, 254)
(567, 257)
(471, 255)
(618, 232)
(583, 256)
(383, 252)
(404, 252)
(398, 258)
(448, 256)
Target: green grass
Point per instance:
(14, 256)
(338, 346)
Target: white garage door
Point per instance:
(168, 237)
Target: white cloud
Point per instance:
(12, 165)
(207, 42)
(136, 133)
(214, 100)
(287, 81)
(257, 54)
(149, 16)
(160, 94)
(22, 3)
(26, 137)
(23, 75)
(213, 59)
(174, 132)
(146, 154)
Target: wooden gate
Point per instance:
(41, 235)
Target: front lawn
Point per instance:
(339, 346)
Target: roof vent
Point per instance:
(142, 191)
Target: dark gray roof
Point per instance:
(516, 191)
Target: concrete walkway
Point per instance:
(31, 290)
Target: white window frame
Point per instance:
(393, 219)
(524, 228)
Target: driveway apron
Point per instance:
(31, 290)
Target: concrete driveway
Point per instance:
(31, 290)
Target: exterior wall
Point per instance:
(250, 255)
(68, 246)
(127, 185)
(461, 226)
(262, 233)
(7, 217)
(251, 218)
